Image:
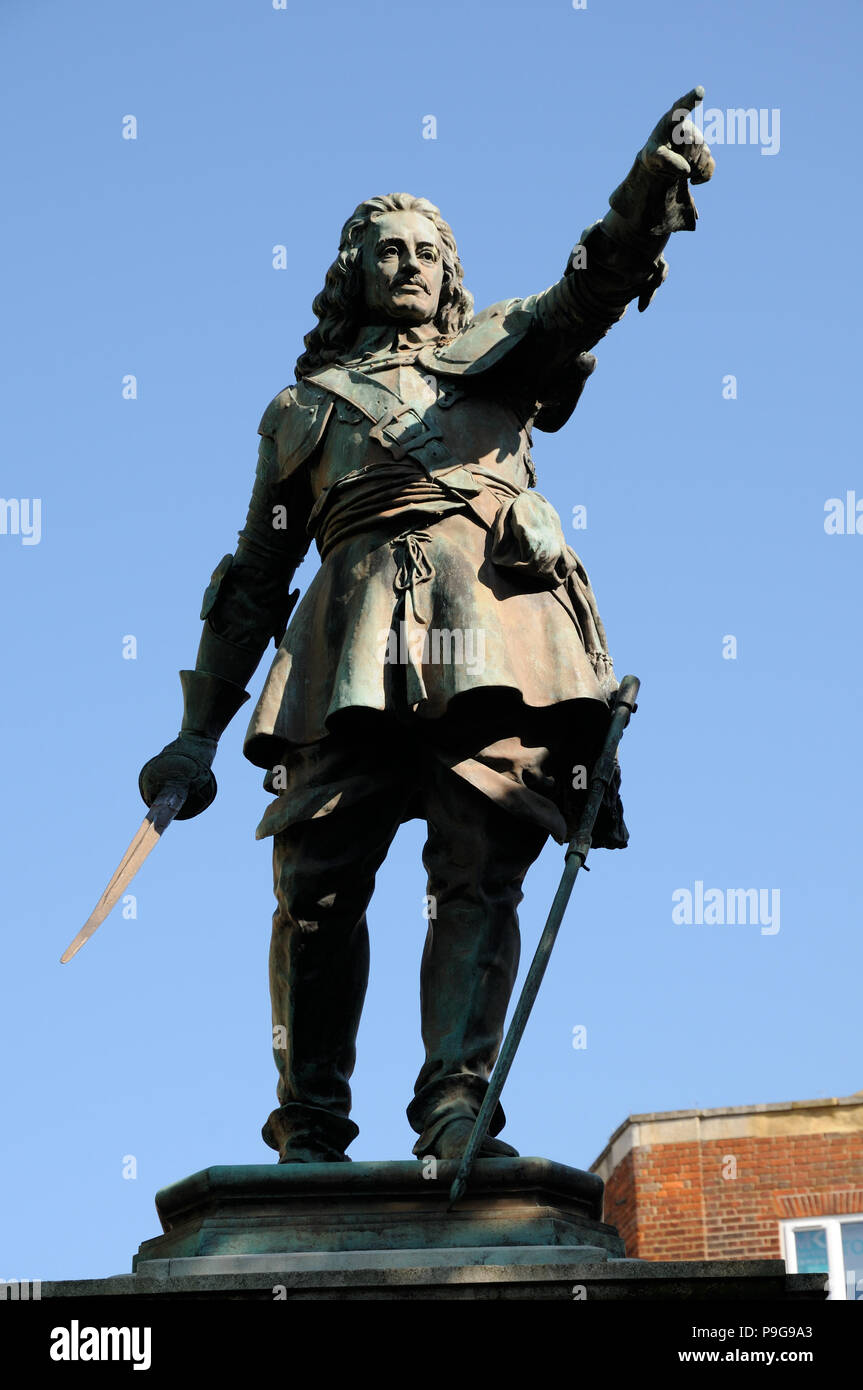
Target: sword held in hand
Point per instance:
(167, 804)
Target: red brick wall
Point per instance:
(672, 1202)
(619, 1202)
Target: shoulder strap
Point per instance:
(396, 426)
(403, 431)
(371, 397)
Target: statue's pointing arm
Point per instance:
(620, 258)
(247, 603)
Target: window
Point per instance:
(833, 1244)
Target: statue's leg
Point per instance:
(476, 856)
(324, 873)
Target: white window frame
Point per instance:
(835, 1259)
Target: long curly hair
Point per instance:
(339, 306)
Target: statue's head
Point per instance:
(397, 263)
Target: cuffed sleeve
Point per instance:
(617, 260)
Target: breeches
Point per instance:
(476, 856)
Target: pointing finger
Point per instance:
(690, 101)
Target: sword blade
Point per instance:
(576, 855)
(158, 818)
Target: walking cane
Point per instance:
(576, 854)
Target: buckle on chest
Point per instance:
(404, 432)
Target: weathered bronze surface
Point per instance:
(447, 661)
(575, 859)
(323, 1208)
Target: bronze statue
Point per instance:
(448, 660)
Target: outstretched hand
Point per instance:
(676, 146)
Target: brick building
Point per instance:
(783, 1180)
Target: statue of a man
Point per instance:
(447, 662)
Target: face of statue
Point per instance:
(402, 268)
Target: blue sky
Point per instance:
(259, 127)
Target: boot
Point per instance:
(448, 1137)
(305, 1134)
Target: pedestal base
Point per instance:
(526, 1229)
(300, 1209)
(562, 1280)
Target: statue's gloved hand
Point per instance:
(676, 146)
(186, 762)
(654, 200)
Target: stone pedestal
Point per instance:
(320, 1213)
(526, 1229)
